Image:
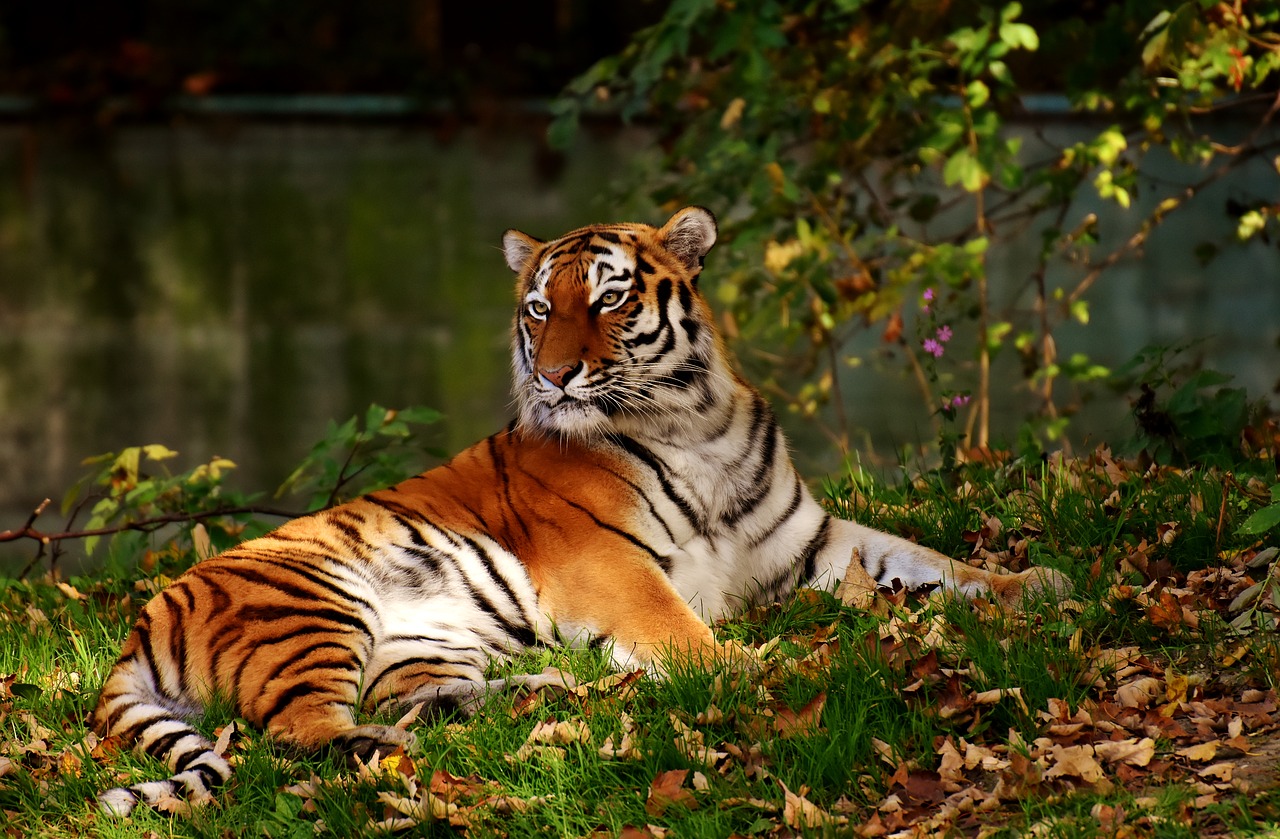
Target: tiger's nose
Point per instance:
(559, 376)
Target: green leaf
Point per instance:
(1080, 311)
(963, 168)
(25, 690)
(1019, 36)
(1261, 521)
(977, 93)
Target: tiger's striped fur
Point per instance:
(644, 491)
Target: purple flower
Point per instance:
(959, 401)
(928, 298)
(933, 347)
(944, 334)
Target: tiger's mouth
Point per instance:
(566, 413)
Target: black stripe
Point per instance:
(786, 581)
(492, 569)
(352, 534)
(664, 298)
(181, 587)
(429, 556)
(176, 638)
(133, 732)
(184, 762)
(809, 557)
(762, 487)
(313, 575)
(523, 633)
(370, 689)
(663, 561)
(211, 777)
(797, 496)
(265, 614)
(301, 690)
(500, 468)
(147, 654)
(352, 660)
(162, 745)
(397, 510)
(649, 459)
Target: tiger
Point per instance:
(643, 491)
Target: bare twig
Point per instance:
(28, 531)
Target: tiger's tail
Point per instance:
(133, 709)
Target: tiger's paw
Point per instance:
(364, 741)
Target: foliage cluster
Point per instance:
(131, 495)
(876, 163)
(1146, 705)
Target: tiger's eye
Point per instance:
(610, 298)
(538, 308)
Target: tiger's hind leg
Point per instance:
(468, 697)
(310, 701)
(313, 722)
(444, 678)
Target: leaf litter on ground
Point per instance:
(1190, 705)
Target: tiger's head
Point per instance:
(611, 333)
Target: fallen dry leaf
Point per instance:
(1139, 693)
(802, 723)
(1073, 761)
(551, 733)
(1133, 752)
(800, 813)
(626, 748)
(667, 790)
(1200, 752)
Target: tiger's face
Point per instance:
(610, 329)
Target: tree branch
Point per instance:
(28, 531)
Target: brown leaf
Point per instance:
(452, 788)
(802, 723)
(893, 328)
(857, 588)
(1221, 771)
(626, 748)
(422, 807)
(667, 790)
(800, 813)
(69, 591)
(1132, 751)
(1169, 613)
(951, 766)
(553, 733)
(1139, 692)
(1200, 752)
(1073, 761)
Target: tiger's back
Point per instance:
(643, 491)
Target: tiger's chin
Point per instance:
(570, 418)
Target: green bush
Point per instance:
(861, 159)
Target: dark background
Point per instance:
(132, 56)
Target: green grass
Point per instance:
(853, 712)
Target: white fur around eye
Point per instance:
(537, 306)
(607, 304)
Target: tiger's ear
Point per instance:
(518, 248)
(689, 234)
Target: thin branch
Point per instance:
(28, 531)
(1138, 239)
